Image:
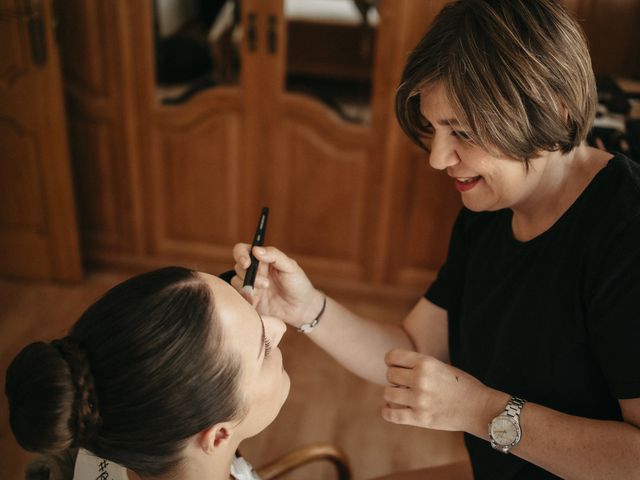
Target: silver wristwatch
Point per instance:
(504, 430)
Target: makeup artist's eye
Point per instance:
(267, 347)
(461, 135)
(428, 131)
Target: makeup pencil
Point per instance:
(258, 240)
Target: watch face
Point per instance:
(504, 430)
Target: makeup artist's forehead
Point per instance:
(435, 104)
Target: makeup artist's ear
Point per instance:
(215, 438)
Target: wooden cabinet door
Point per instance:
(38, 234)
(321, 126)
(196, 177)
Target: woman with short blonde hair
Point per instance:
(527, 339)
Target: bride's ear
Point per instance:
(215, 438)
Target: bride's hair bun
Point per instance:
(51, 393)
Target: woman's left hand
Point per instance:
(426, 392)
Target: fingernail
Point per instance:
(259, 250)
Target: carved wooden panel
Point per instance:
(195, 175)
(20, 179)
(38, 237)
(94, 59)
(326, 195)
(14, 44)
(87, 34)
(93, 153)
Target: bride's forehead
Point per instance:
(229, 305)
(219, 286)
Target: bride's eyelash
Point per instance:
(267, 347)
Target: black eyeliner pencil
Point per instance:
(258, 240)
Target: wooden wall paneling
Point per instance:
(613, 30)
(421, 203)
(22, 217)
(577, 7)
(22, 202)
(611, 27)
(38, 234)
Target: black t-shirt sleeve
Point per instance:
(613, 306)
(451, 274)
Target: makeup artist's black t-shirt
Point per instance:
(555, 320)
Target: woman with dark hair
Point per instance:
(527, 340)
(163, 377)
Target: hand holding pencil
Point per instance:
(280, 288)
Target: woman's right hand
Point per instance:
(281, 287)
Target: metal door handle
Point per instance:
(30, 12)
(35, 25)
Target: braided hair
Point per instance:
(85, 415)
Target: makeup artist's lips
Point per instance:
(464, 184)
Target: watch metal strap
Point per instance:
(514, 406)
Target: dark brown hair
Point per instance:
(141, 371)
(517, 72)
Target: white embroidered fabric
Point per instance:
(242, 470)
(90, 467)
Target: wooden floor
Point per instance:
(326, 404)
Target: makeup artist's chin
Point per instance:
(481, 200)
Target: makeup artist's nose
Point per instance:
(274, 328)
(443, 152)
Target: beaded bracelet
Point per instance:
(307, 327)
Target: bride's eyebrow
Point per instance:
(263, 337)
